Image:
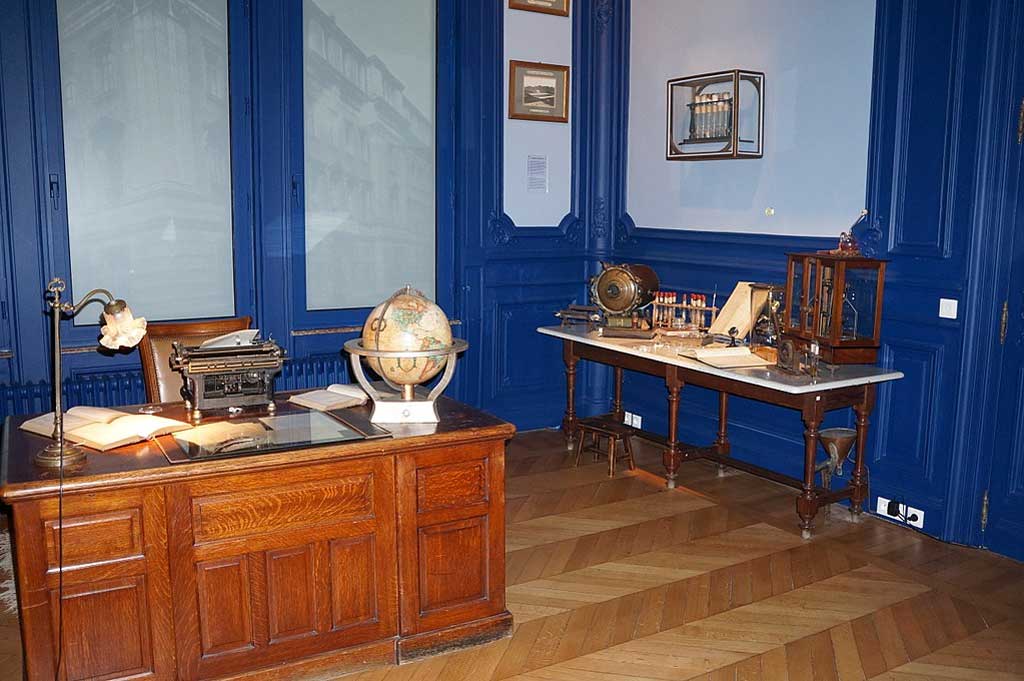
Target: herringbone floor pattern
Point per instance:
(619, 579)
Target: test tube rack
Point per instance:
(668, 312)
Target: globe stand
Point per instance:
(402, 405)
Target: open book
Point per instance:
(105, 429)
(727, 358)
(334, 396)
(222, 434)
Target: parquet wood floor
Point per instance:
(622, 580)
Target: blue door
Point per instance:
(1003, 508)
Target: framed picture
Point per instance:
(538, 91)
(558, 7)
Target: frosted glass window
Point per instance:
(147, 154)
(368, 89)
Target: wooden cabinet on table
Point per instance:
(321, 559)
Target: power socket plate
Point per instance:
(882, 509)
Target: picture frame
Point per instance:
(538, 91)
(557, 7)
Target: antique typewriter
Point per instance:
(233, 371)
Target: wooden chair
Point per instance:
(162, 383)
(598, 427)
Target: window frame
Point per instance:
(57, 260)
(303, 319)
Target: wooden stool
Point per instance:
(598, 427)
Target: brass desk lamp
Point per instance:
(120, 330)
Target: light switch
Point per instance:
(947, 308)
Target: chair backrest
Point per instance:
(162, 383)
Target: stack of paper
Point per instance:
(727, 358)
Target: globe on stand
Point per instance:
(407, 340)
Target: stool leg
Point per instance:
(627, 444)
(611, 457)
(595, 447)
(580, 439)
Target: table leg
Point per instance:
(807, 502)
(611, 457)
(569, 420)
(722, 441)
(858, 480)
(617, 412)
(672, 455)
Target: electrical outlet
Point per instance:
(638, 421)
(627, 418)
(882, 508)
(904, 514)
(914, 516)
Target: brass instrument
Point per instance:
(622, 291)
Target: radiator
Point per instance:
(117, 389)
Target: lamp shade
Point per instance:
(121, 328)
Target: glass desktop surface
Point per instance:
(246, 437)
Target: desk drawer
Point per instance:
(116, 590)
(94, 538)
(451, 485)
(282, 507)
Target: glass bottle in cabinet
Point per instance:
(716, 116)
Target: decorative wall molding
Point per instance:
(602, 14)
(502, 231)
(920, 458)
(600, 221)
(938, 241)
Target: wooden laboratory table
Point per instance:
(312, 560)
(850, 386)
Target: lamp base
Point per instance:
(51, 456)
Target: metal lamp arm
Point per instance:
(60, 308)
(57, 286)
(92, 296)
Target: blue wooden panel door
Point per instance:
(1004, 516)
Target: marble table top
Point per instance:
(664, 350)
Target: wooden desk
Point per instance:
(851, 386)
(318, 560)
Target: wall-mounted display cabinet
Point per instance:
(715, 116)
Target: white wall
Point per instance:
(816, 56)
(533, 36)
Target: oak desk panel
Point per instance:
(323, 558)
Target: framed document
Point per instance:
(558, 7)
(538, 91)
